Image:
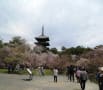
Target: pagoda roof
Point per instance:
(41, 37)
(42, 43)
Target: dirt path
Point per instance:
(17, 82)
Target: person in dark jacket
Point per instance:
(68, 72)
(71, 73)
(100, 78)
(101, 81)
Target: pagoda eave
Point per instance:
(43, 44)
(42, 39)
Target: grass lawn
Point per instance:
(35, 72)
(3, 71)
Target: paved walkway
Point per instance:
(17, 82)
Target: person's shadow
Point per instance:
(26, 79)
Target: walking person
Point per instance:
(68, 72)
(100, 78)
(83, 78)
(30, 73)
(55, 74)
(9, 68)
(39, 70)
(42, 70)
(71, 73)
(78, 72)
(17, 68)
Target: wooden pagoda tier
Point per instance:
(42, 43)
(42, 39)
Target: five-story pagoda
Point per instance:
(42, 42)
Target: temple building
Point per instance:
(42, 55)
(42, 42)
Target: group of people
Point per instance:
(70, 72)
(80, 73)
(14, 68)
(41, 72)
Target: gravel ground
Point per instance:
(18, 82)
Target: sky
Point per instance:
(68, 23)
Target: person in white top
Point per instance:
(55, 74)
(30, 73)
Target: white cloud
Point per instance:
(67, 22)
(16, 29)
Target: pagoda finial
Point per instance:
(42, 30)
